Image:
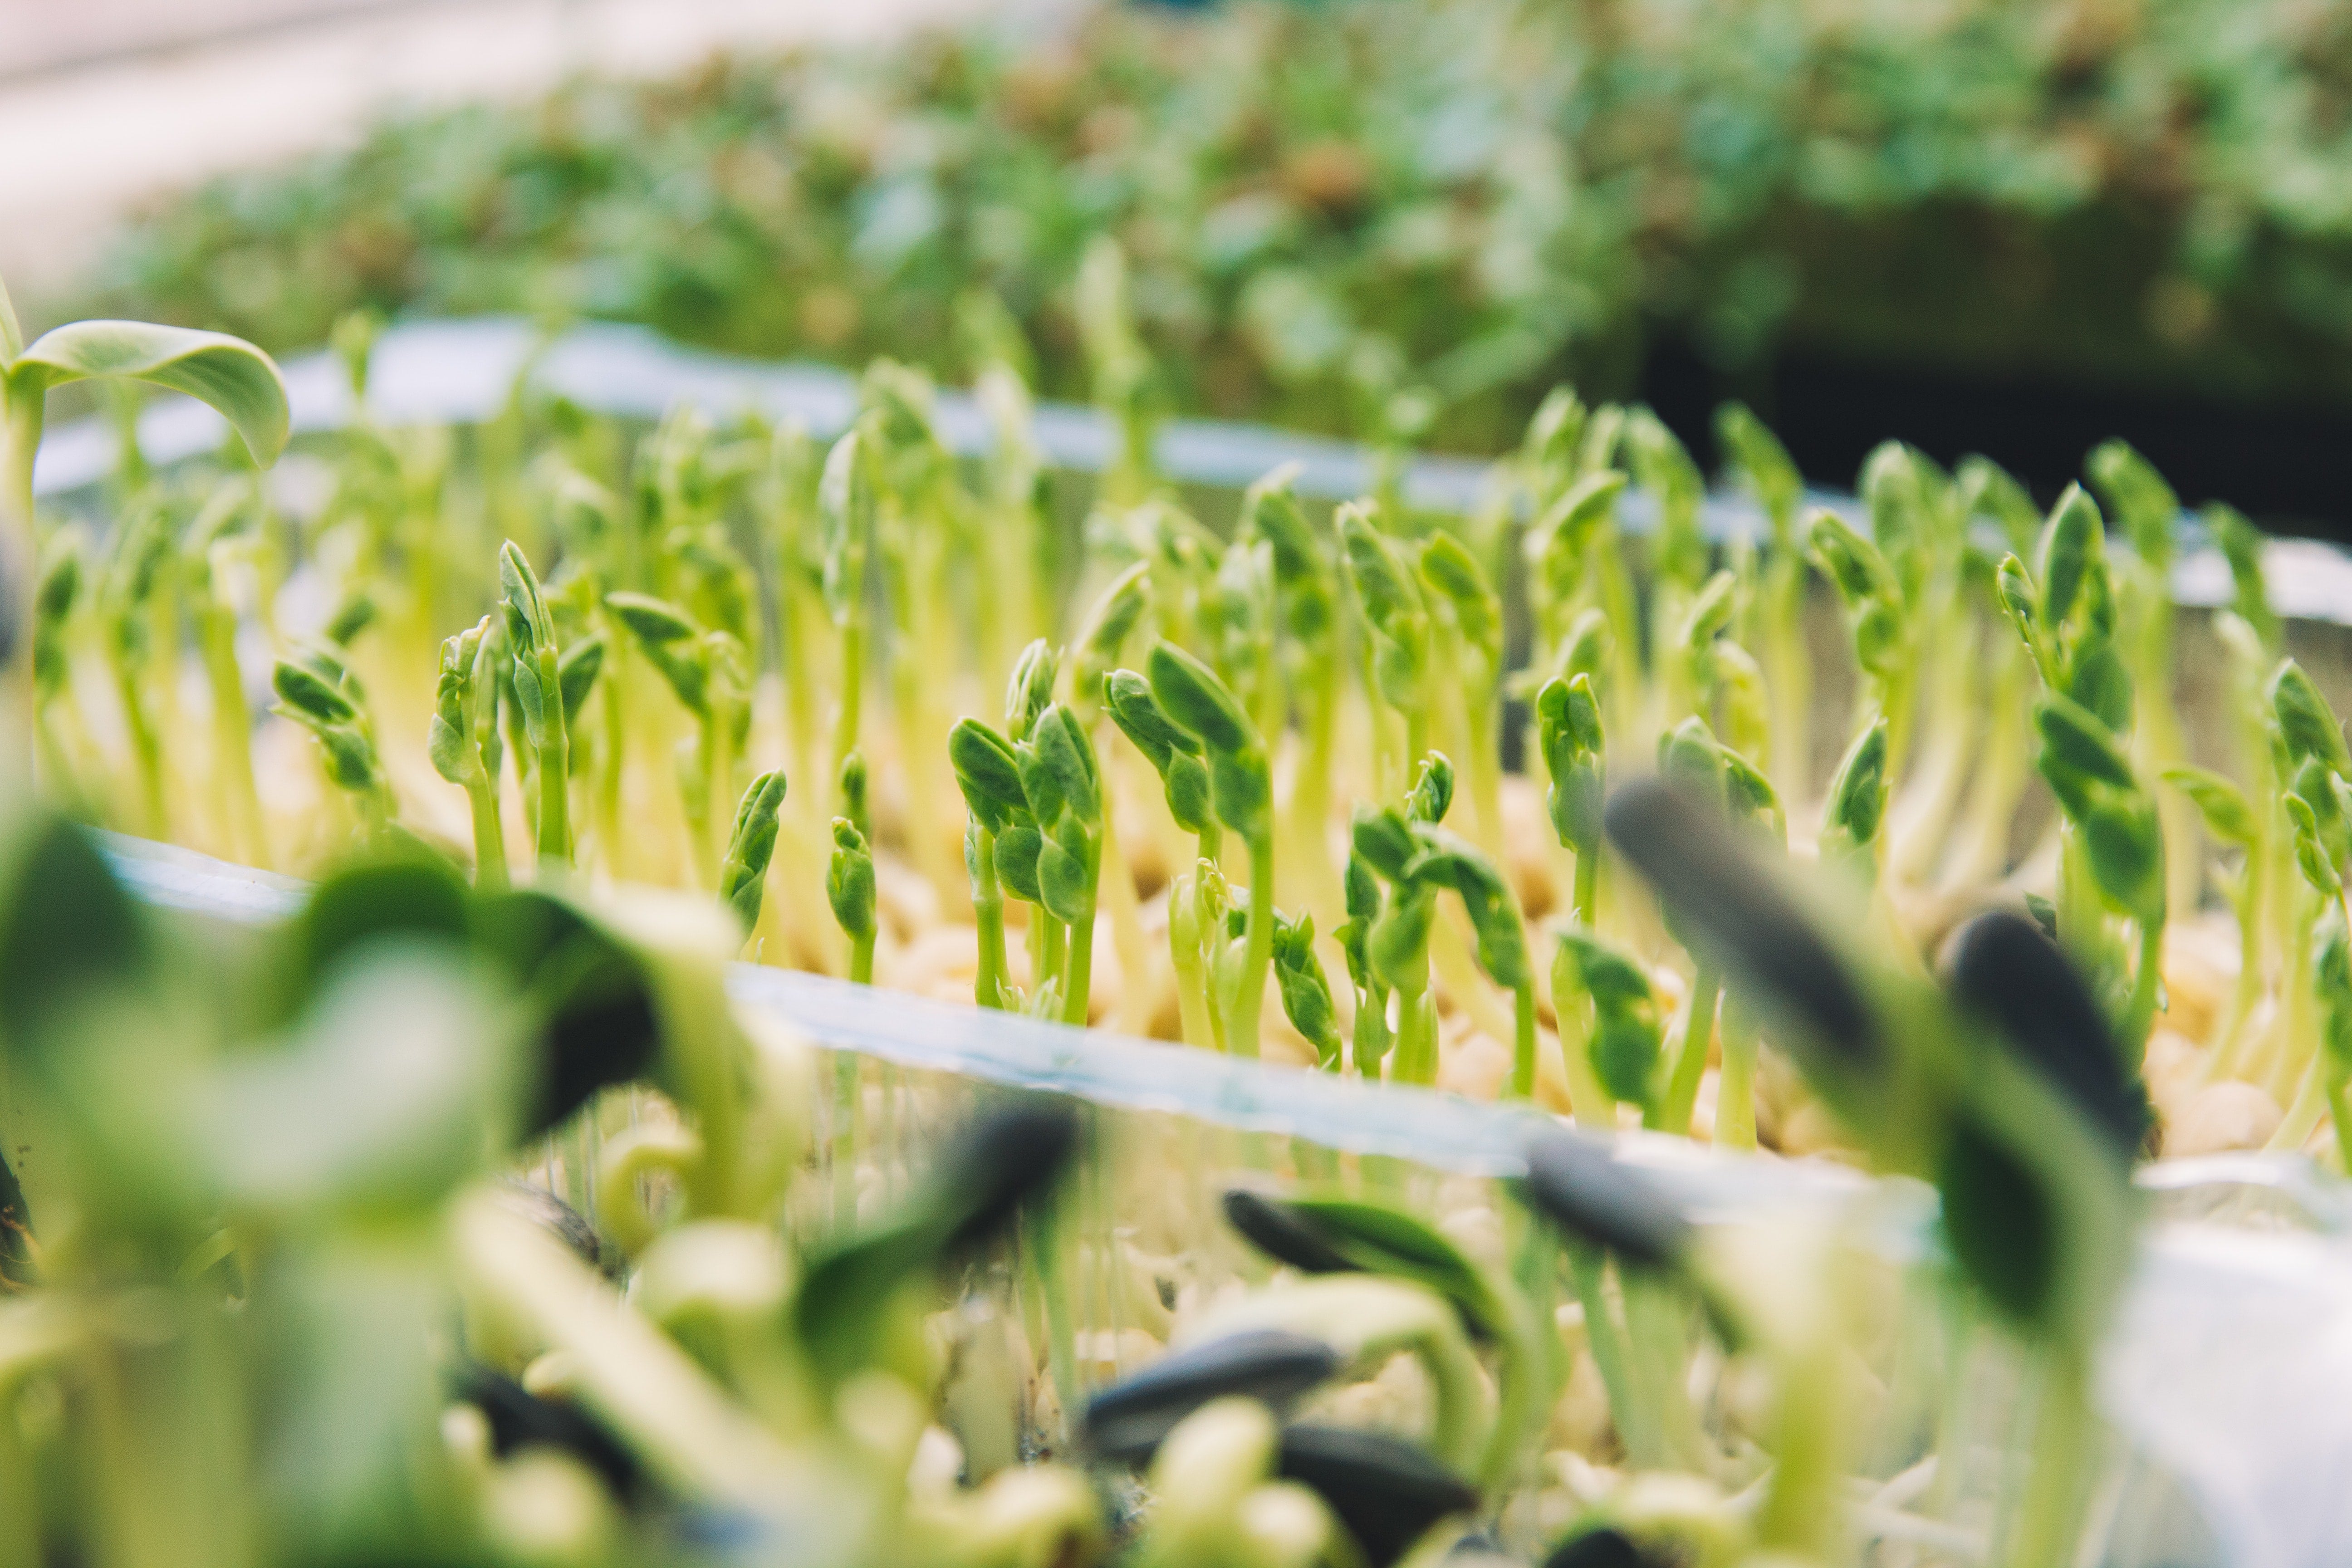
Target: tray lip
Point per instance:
(463, 370)
(1442, 1131)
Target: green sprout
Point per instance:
(236, 378)
(1063, 784)
(2312, 757)
(316, 691)
(465, 701)
(1443, 859)
(1618, 1057)
(1468, 659)
(55, 595)
(849, 889)
(1569, 731)
(1397, 645)
(743, 874)
(1371, 1037)
(1311, 657)
(1306, 993)
(1241, 790)
(989, 775)
(1396, 937)
(1877, 613)
(537, 674)
(845, 509)
(1179, 759)
(1771, 477)
(1118, 365)
(2065, 612)
(1855, 806)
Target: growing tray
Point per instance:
(2231, 1365)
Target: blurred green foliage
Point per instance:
(1324, 207)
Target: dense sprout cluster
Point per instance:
(1358, 218)
(1276, 752)
(268, 1298)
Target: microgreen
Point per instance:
(1241, 791)
(743, 874)
(849, 888)
(236, 379)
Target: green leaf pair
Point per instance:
(2086, 767)
(1239, 777)
(316, 692)
(1173, 752)
(670, 642)
(1628, 1032)
(743, 873)
(988, 774)
(1569, 733)
(462, 682)
(1390, 602)
(1855, 806)
(849, 881)
(1306, 993)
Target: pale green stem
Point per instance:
(20, 1542)
(1199, 1018)
(554, 768)
(2277, 1061)
(719, 753)
(1078, 971)
(1523, 1045)
(1130, 1012)
(1735, 1089)
(697, 797)
(988, 912)
(2311, 1102)
(146, 751)
(1617, 599)
(2078, 905)
(853, 678)
(1920, 818)
(489, 832)
(1416, 740)
(1413, 1056)
(1672, 1112)
(1046, 1233)
(1588, 1102)
(2139, 1010)
(21, 419)
(1801, 1513)
(1249, 994)
(1980, 852)
(613, 765)
(1637, 1428)
(1310, 799)
(1655, 1319)
(1485, 768)
(59, 783)
(2229, 1035)
(1451, 955)
(1789, 672)
(2064, 1435)
(232, 736)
